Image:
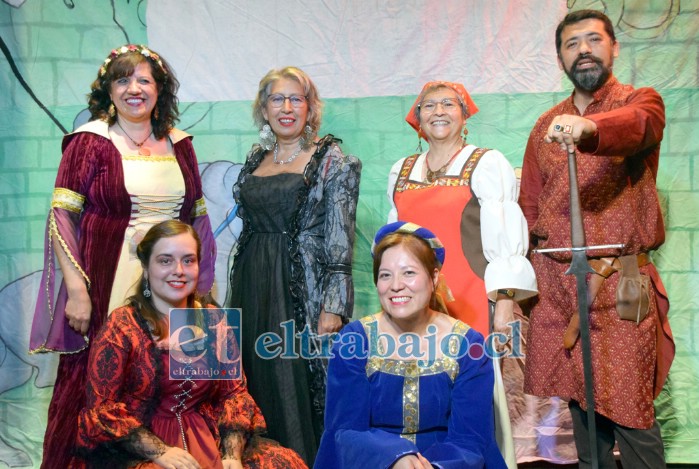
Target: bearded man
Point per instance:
(616, 132)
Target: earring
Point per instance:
(267, 137)
(146, 291)
(112, 110)
(156, 114)
(465, 132)
(418, 149)
(307, 139)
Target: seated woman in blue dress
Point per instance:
(410, 386)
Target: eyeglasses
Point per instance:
(448, 104)
(278, 100)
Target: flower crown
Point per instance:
(140, 48)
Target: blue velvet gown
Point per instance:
(381, 409)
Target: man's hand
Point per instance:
(568, 130)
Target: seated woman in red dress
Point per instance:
(136, 416)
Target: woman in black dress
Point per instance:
(297, 194)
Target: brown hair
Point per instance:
(166, 229)
(166, 108)
(422, 251)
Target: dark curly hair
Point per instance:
(123, 65)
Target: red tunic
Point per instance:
(616, 174)
(440, 206)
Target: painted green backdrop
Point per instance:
(55, 47)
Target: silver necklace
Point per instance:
(141, 151)
(289, 159)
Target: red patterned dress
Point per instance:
(616, 176)
(133, 408)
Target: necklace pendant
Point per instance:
(143, 151)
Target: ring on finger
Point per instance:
(558, 127)
(567, 129)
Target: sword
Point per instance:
(583, 248)
(579, 267)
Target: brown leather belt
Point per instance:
(604, 267)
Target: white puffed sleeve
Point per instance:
(392, 179)
(503, 228)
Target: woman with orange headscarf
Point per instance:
(468, 197)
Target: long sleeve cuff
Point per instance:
(514, 273)
(338, 296)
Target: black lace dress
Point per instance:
(294, 260)
(260, 286)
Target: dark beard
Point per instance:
(590, 79)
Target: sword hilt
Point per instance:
(582, 248)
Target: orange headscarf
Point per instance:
(471, 107)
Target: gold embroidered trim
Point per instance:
(411, 368)
(411, 407)
(463, 179)
(67, 200)
(53, 231)
(200, 207)
(405, 173)
(43, 349)
(153, 158)
(411, 371)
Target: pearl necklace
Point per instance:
(141, 151)
(289, 159)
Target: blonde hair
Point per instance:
(315, 105)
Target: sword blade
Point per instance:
(580, 267)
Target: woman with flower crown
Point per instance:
(121, 173)
(297, 194)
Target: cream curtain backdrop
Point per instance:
(369, 60)
(357, 49)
